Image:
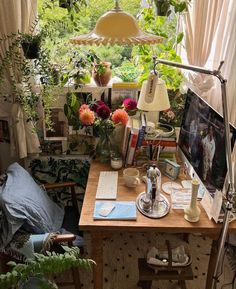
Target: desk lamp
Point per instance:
(230, 191)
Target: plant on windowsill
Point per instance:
(41, 267)
(127, 72)
(163, 7)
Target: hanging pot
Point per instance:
(102, 73)
(31, 47)
(162, 7)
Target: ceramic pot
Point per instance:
(102, 76)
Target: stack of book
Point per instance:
(139, 147)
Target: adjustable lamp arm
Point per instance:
(231, 187)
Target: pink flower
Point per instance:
(130, 103)
(83, 107)
(103, 111)
(120, 116)
(87, 116)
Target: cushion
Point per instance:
(23, 201)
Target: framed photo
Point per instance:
(59, 127)
(123, 90)
(4, 131)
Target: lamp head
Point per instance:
(153, 95)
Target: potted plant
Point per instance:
(71, 5)
(101, 72)
(31, 45)
(163, 7)
(37, 272)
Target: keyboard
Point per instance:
(107, 185)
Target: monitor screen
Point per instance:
(202, 142)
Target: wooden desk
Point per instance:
(174, 222)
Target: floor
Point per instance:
(122, 250)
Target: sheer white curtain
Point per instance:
(210, 37)
(17, 15)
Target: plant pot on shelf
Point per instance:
(102, 73)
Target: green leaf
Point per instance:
(180, 37)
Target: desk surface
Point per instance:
(172, 223)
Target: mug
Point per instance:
(131, 177)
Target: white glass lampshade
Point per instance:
(160, 100)
(116, 27)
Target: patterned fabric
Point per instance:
(55, 170)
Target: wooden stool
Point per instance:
(147, 275)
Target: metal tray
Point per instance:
(163, 207)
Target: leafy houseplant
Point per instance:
(163, 7)
(25, 71)
(31, 45)
(101, 72)
(43, 266)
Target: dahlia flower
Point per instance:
(103, 111)
(120, 116)
(87, 116)
(83, 107)
(130, 103)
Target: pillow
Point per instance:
(25, 202)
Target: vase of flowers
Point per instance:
(103, 120)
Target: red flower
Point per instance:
(130, 103)
(95, 106)
(103, 111)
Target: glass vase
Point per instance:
(104, 147)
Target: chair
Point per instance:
(70, 223)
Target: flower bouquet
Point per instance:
(103, 121)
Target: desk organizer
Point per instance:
(162, 208)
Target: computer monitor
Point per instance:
(202, 142)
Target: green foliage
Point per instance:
(166, 28)
(128, 72)
(46, 265)
(23, 74)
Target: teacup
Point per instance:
(131, 177)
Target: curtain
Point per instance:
(17, 15)
(209, 38)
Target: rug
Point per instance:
(122, 250)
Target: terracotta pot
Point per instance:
(102, 76)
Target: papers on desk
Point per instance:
(116, 210)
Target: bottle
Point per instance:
(192, 213)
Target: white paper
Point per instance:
(216, 206)
(206, 203)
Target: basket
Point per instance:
(169, 259)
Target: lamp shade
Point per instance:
(160, 100)
(116, 27)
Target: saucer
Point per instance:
(169, 186)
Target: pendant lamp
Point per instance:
(116, 27)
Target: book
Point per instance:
(133, 140)
(123, 210)
(142, 129)
(162, 143)
(126, 139)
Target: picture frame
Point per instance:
(59, 127)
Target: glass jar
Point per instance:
(116, 162)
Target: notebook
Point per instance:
(122, 211)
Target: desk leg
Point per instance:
(211, 264)
(97, 256)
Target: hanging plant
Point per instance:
(31, 45)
